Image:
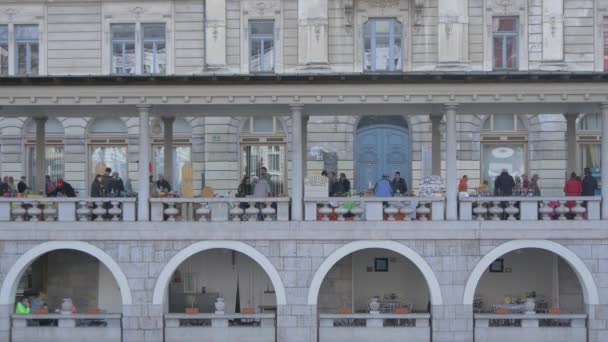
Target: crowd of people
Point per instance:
(256, 186)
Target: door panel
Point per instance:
(381, 149)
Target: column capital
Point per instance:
(451, 106)
(572, 115)
(296, 107)
(435, 117)
(143, 108)
(167, 118)
(604, 106)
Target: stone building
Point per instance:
(226, 88)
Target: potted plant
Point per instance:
(192, 310)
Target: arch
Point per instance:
(9, 286)
(51, 126)
(179, 258)
(371, 120)
(337, 255)
(590, 292)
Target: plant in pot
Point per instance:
(192, 310)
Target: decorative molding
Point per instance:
(11, 13)
(262, 8)
(384, 3)
(137, 12)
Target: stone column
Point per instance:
(436, 144)
(450, 167)
(40, 155)
(312, 34)
(215, 34)
(453, 33)
(168, 149)
(571, 164)
(604, 156)
(297, 178)
(143, 193)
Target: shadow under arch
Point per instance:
(590, 292)
(165, 275)
(337, 255)
(9, 286)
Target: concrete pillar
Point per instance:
(143, 193)
(604, 156)
(40, 155)
(571, 152)
(168, 150)
(450, 157)
(436, 144)
(312, 33)
(453, 33)
(215, 34)
(297, 169)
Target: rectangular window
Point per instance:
(112, 156)
(605, 32)
(154, 49)
(496, 157)
(254, 157)
(182, 182)
(26, 49)
(53, 164)
(3, 49)
(505, 37)
(123, 49)
(382, 45)
(261, 45)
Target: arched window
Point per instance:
(53, 165)
(588, 137)
(108, 147)
(182, 181)
(263, 145)
(504, 145)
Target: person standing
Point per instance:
(22, 186)
(264, 174)
(573, 187)
(245, 189)
(504, 184)
(463, 185)
(589, 183)
(106, 178)
(49, 185)
(23, 307)
(162, 185)
(398, 185)
(533, 186)
(97, 187)
(117, 187)
(383, 187)
(344, 183)
(261, 188)
(64, 189)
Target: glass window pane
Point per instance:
(3, 33)
(22, 58)
(53, 165)
(497, 51)
(114, 157)
(182, 181)
(498, 157)
(263, 125)
(156, 31)
(123, 31)
(255, 55)
(367, 56)
(382, 52)
(520, 124)
(397, 52)
(262, 27)
(507, 24)
(503, 122)
(383, 27)
(254, 157)
(33, 59)
(3, 58)
(590, 156)
(26, 32)
(605, 31)
(268, 55)
(511, 52)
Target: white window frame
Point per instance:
(504, 35)
(394, 24)
(586, 137)
(12, 48)
(272, 10)
(263, 38)
(519, 9)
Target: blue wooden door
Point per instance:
(381, 149)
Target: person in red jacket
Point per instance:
(573, 187)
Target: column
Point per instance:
(40, 155)
(143, 193)
(312, 33)
(453, 32)
(571, 164)
(450, 158)
(436, 144)
(215, 34)
(297, 169)
(604, 156)
(168, 149)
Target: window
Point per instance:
(108, 147)
(382, 45)
(26, 46)
(154, 56)
(505, 37)
(123, 49)
(605, 31)
(261, 45)
(182, 167)
(504, 123)
(3, 49)
(54, 164)
(588, 136)
(590, 122)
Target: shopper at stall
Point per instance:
(117, 186)
(162, 184)
(97, 189)
(245, 188)
(534, 187)
(398, 185)
(64, 189)
(589, 183)
(344, 184)
(22, 185)
(383, 187)
(23, 307)
(504, 184)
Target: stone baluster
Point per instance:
(391, 211)
(406, 210)
(34, 212)
(357, 211)
(252, 212)
(562, 210)
(99, 211)
(511, 211)
(423, 211)
(325, 210)
(203, 212)
(18, 211)
(495, 211)
(49, 213)
(545, 210)
(236, 212)
(578, 210)
(268, 211)
(341, 211)
(83, 212)
(480, 210)
(171, 211)
(115, 210)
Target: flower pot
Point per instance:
(220, 306)
(41, 311)
(191, 311)
(93, 311)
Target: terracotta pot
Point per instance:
(402, 311)
(191, 311)
(41, 311)
(555, 311)
(93, 311)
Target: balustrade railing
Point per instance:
(235, 209)
(66, 209)
(374, 209)
(529, 328)
(220, 327)
(375, 327)
(66, 328)
(530, 208)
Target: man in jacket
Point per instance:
(589, 183)
(64, 189)
(22, 186)
(399, 184)
(504, 184)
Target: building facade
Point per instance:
(226, 88)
